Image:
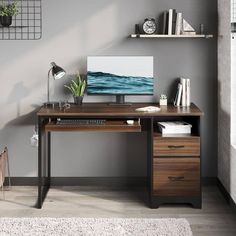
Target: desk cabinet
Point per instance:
(176, 165)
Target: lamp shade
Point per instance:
(57, 71)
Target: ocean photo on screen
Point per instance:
(120, 75)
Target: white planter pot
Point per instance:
(163, 102)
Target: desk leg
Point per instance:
(44, 162)
(49, 157)
(39, 205)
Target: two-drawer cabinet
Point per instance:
(176, 171)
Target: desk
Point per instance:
(174, 162)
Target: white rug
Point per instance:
(92, 226)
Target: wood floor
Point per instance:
(215, 218)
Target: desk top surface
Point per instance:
(103, 109)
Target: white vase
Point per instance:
(163, 102)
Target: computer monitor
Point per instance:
(120, 76)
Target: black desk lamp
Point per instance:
(57, 73)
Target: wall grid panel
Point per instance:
(27, 24)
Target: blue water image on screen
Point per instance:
(106, 83)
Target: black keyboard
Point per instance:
(80, 122)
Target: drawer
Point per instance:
(176, 146)
(176, 176)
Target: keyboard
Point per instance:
(80, 122)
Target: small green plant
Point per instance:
(9, 9)
(163, 97)
(77, 86)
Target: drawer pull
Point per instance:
(175, 147)
(176, 178)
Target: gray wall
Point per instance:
(75, 29)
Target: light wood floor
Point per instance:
(215, 218)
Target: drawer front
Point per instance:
(168, 146)
(176, 176)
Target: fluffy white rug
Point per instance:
(92, 226)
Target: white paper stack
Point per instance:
(174, 127)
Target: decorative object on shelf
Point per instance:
(20, 19)
(163, 100)
(175, 24)
(7, 11)
(149, 26)
(57, 73)
(77, 88)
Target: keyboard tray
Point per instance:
(109, 126)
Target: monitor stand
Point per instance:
(120, 101)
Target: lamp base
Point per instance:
(51, 104)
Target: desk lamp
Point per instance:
(57, 73)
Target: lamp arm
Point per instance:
(48, 93)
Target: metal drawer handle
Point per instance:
(176, 178)
(175, 147)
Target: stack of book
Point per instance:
(174, 127)
(175, 24)
(183, 94)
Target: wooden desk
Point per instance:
(174, 173)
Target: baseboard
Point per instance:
(226, 195)
(209, 181)
(82, 181)
(94, 181)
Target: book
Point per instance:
(179, 23)
(170, 18)
(188, 94)
(183, 100)
(174, 16)
(178, 95)
(174, 127)
(165, 22)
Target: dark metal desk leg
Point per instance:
(39, 205)
(49, 157)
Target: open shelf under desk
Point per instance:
(109, 126)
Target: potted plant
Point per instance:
(77, 88)
(163, 100)
(7, 11)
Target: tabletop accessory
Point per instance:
(57, 73)
(77, 88)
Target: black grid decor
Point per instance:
(27, 25)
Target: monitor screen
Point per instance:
(117, 75)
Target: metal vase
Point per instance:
(6, 21)
(78, 100)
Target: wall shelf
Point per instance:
(206, 36)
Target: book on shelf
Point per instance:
(174, 127)
(188, 94)
(170, 19)
(165, 22)
(178, 95)
(179, 23)
(174, 17)
(183, 98)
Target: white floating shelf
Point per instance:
(206, 36)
